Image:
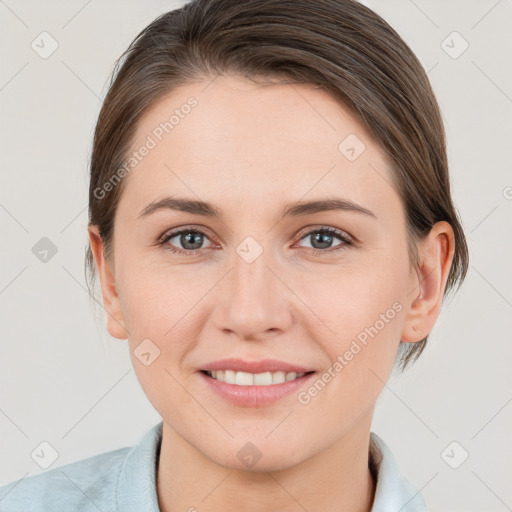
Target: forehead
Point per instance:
(210, 139)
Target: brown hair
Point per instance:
(339, 45)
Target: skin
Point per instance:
(250, 149)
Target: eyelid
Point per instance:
(190, 227)
(341, 233)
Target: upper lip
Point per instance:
(265, 365)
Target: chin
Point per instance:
(256, 457)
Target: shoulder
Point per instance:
(85, 485)
(122, 479)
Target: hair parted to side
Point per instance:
(339, 45)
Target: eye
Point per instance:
(190, 240)
(321, 240)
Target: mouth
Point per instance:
(254, 383)
(247, 389)
(239, 378)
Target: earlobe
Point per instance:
(112, 305)
(428, 282)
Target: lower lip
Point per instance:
(255, 396)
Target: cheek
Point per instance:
(352, 299)
(155, 295)
(164, 317)
(165, 313)
(364, 310)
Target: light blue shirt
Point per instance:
(124, 480)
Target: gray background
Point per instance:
(64, 380)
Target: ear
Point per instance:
(112, 305)
(428, 282)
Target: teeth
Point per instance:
(244, 379)
(251, 379)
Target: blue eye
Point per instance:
(324, 237)
(188, 238)
(191, 239)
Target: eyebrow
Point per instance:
(296, 209)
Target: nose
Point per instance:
(254, 303)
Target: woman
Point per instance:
(272, 226)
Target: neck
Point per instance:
(335, 479)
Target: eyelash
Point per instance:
(347, 241)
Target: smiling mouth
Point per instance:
(250, 379)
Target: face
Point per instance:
(325, 289)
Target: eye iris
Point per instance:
(191, 238)
(324, 239)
